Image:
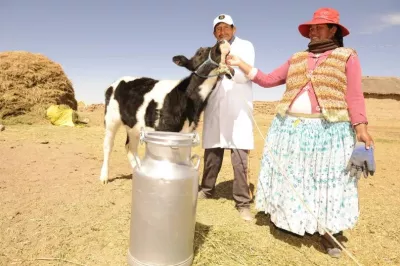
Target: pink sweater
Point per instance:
(354, 95)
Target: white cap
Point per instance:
(223, 18)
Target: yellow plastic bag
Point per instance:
(62, 115)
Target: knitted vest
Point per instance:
(328, 79)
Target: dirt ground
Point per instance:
(55, 211)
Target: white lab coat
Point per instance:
(227, 116)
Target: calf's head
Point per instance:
(206, 61)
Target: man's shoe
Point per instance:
(245, 214)
(202, 195)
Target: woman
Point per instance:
(312, 136)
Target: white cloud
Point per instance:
(383, 22)
(391, 19)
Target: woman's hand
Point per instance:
(363, 135)
(233, 60)
(362, 159)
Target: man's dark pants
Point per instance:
(212, 165)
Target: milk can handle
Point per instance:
(198, 161)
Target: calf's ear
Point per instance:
(180, 60)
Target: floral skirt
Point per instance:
(311, 154)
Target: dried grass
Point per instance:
(56, 208)
(29, 84)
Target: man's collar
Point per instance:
(233, 38)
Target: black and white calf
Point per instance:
(161, 105)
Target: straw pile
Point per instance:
(381, 87)
(29, 84)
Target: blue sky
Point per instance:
(96, 42)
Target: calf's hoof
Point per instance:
(104, 179)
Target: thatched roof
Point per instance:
(381, 85)
(30, 83)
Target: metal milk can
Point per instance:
(164, 200)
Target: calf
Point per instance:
(161, 105)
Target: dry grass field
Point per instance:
(54, 209)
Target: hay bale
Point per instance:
(29, 84)
(381, 87)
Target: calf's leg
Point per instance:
(111, 129)
(131, 145)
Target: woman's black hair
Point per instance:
(338, 38)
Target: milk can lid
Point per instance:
(170, 138)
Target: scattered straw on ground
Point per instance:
(54, 206)
(29, 83)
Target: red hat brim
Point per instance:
(304, 28)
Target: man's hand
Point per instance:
(361, 161)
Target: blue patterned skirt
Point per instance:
(313, 153)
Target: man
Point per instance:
(228, 123)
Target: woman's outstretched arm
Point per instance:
(275, 78)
